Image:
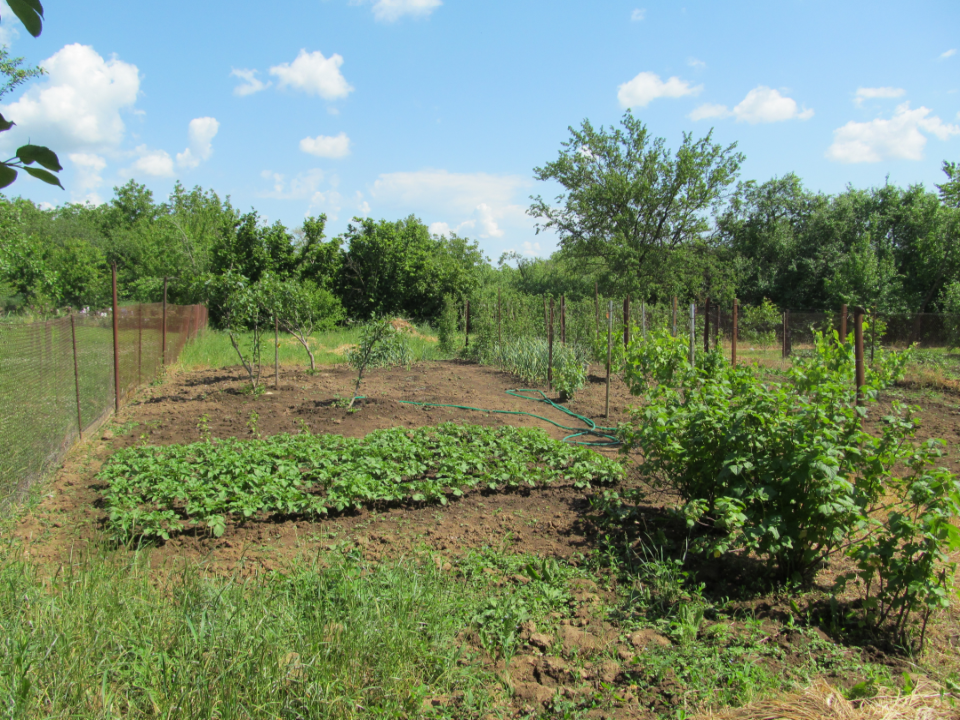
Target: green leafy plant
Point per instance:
(758, 323)
(381, 345)
(447, 332)
(156, 491)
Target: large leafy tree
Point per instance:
(28, 156)
(400, 268)
(628, 203)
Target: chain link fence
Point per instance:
(58, 379)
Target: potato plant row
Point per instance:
(160, 491)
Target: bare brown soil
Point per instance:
(546, 521)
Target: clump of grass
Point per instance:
(106, 639)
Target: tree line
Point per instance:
(634, 218)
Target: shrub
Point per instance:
(758, 323)
(786, 470)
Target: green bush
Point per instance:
(787, 471)
(448, 333)
(381, 345)
(758, 323)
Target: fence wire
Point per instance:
(53, 394)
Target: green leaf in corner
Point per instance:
(30, 13)
(5, 124)
(46, 157)
(47, 177)
(7, 175)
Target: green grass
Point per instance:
(212, 349)
(108, 638)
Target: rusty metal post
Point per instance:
(785, 345)
(563, 319)
(76, 374)
(706, 326)
(606, 410)
(163, 331)
(843, 323)
(858, 350)
(550, 349)
(596, 304)
(499, 319)
(733, 334)
(693, 335)
(626, 322)
(116, 344)
(139, 344)
(674, 315)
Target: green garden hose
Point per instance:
(608, 439)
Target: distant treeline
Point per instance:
(894, 248)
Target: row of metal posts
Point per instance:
(786, 344)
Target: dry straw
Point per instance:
(823, 702)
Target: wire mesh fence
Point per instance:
(57, 379)
(762, 332)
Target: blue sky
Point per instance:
(442, 108)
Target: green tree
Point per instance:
(628, 203)
(30, 13)
(400, 268)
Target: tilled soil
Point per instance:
(547, 521)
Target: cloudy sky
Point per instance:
(442, 108)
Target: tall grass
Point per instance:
(105, 639)
(212, 348)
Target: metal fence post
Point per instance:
(858, 351)
(76, 374)
(786, 334)
(606, 410)
(693, 334)
(733, 335)
(626, 322)
(139, 344)
(163, 331)
(116, 343)
(550, 348)
(499, 319)
(596, 304)
(706, 326)
(563, 320)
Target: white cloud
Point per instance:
(201, 133)
(949, 53)
(8, 28)
(89, 166)
(304, 185)
(393, 10)
(314, 74)
(710, 110)
(481, 202)
(327, 146)
(638, 15)
(761, 105)
(694, 63)
(764, 105)
(648, 86)
(156, 163)
(77, 107)
(328, 202)
(865, 93)
(899, 137)
(251, 83)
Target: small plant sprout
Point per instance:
(253, 424)
(203, 428)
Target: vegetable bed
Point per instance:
(159, 491)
